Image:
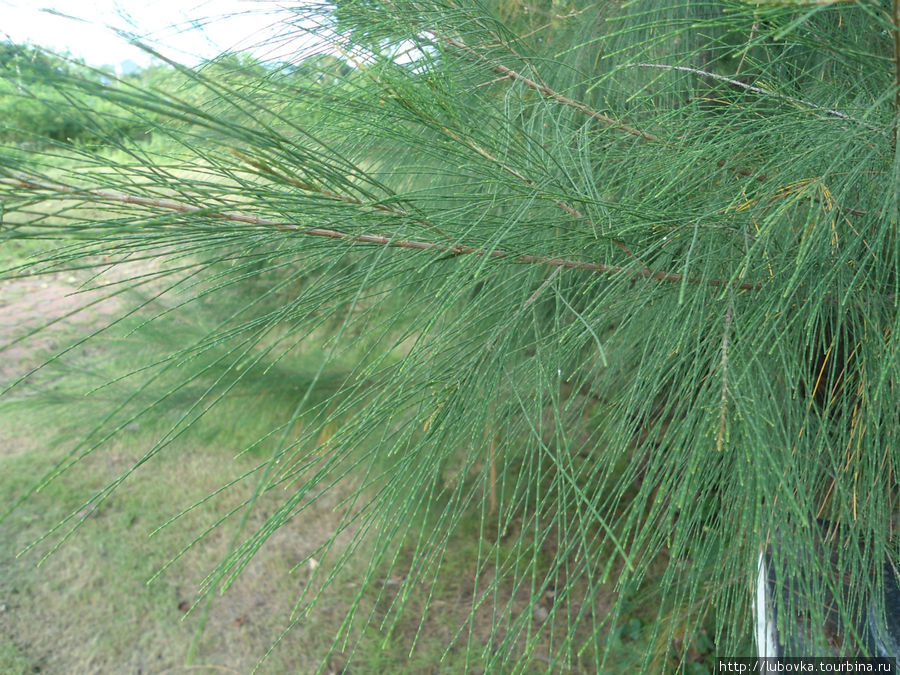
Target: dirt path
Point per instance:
(27, 304)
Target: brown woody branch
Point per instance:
(375, 239)
(500, 69)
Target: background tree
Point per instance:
(33, 108)
(616, 283)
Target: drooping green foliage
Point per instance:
(616, 282)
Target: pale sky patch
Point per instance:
(187, 31)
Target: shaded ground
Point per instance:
(26, 304)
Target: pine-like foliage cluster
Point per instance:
(615, 282)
